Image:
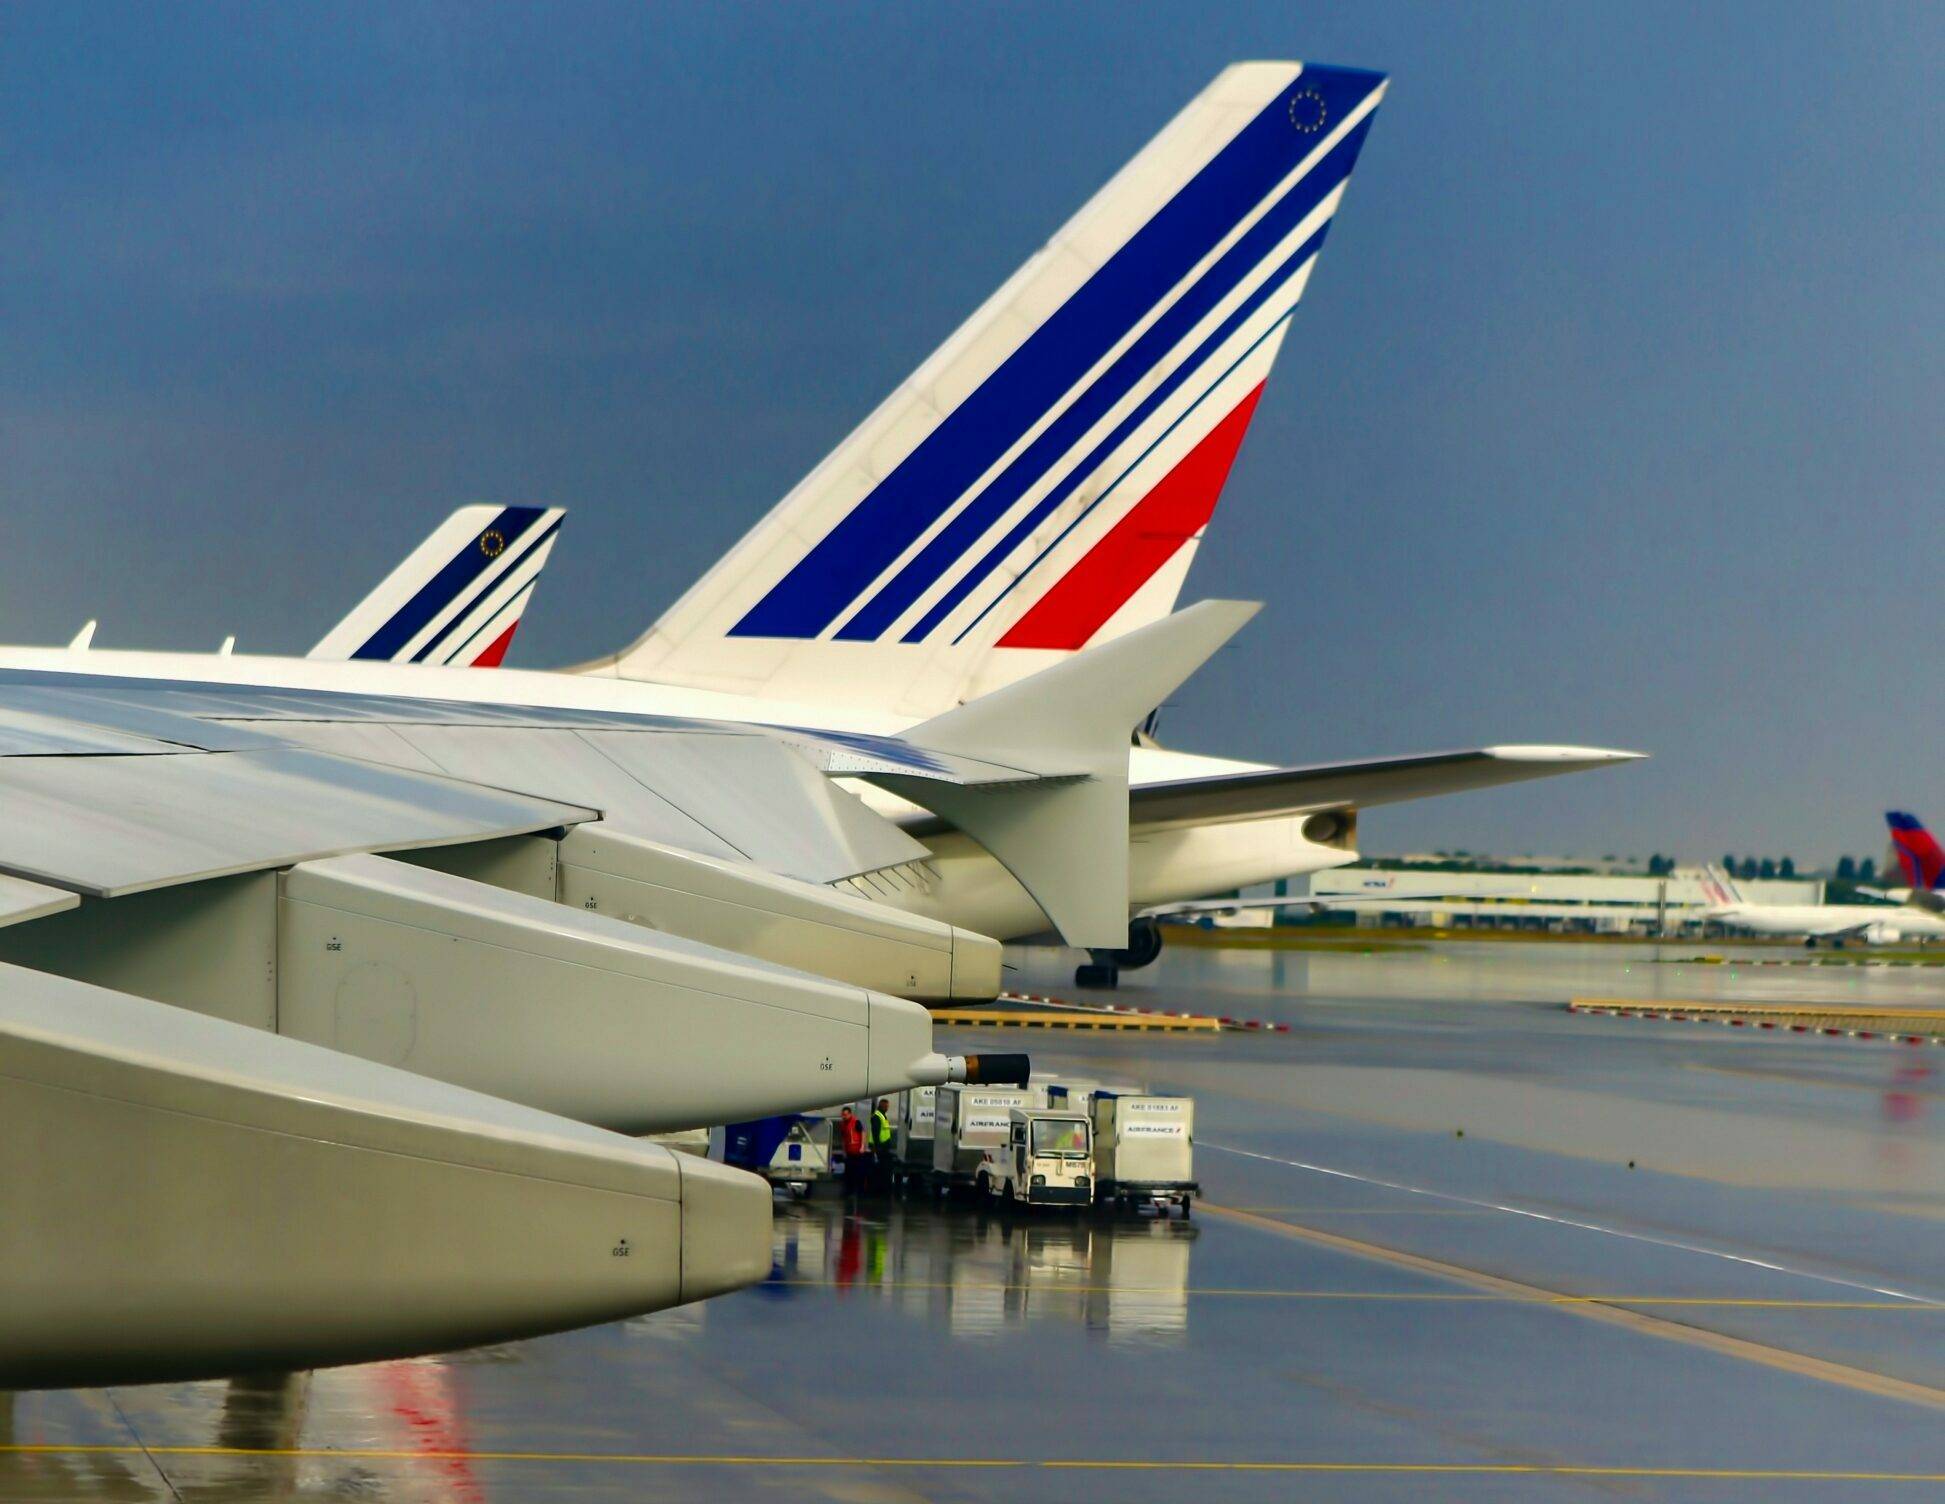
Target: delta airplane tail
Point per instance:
(1040, 483)
(1916, 852)
(458, 597)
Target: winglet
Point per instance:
(83, 639)
(1064, 835)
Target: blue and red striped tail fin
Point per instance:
(458, 597)
(1916, 851)
(1041, 482)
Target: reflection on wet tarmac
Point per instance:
(977, 1272)
(399, 1429)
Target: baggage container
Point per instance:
(968, 1121)
(914, 1113)
(1145, 1150)
(1076, 1093)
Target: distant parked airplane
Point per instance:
(1836, 923)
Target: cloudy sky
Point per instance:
(1612, 413)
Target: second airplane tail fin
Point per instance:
(1719, 888)
(1040, 483)
(458, 597)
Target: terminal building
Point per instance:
(1566, 902)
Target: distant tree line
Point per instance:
(1863, 869)
(1759, 866)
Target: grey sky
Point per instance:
(1611, 414)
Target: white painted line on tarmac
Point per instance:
(1539, 1216)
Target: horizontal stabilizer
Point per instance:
(1262, 793)
(1064, 836)
(1077, 716)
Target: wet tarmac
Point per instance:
(1454, 1243)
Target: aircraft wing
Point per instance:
(105, 811)
(1848, 931)
(1353, 785)
(338, 771)
(1317, 904)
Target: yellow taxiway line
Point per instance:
(1433, 1297)
(1061, 1464)
(1801, 1364)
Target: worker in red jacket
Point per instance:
(850, 1138)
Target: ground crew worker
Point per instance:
(881, 1141)
(850, 1137)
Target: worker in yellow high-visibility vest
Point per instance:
(881, 1143)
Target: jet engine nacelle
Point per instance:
(746, 909)
(570, 1011)
(187, 1198)
(737, 906)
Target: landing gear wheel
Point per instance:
(1144, 946)
(1093, 974)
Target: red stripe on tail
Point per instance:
(497, 648)
(1178, 508)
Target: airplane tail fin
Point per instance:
(1719, 888)
(1915, 851)
(1040, 483)
(457, 598)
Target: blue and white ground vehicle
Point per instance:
(793, 1150)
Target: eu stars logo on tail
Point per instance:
(458, 597)
(1040, 483)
